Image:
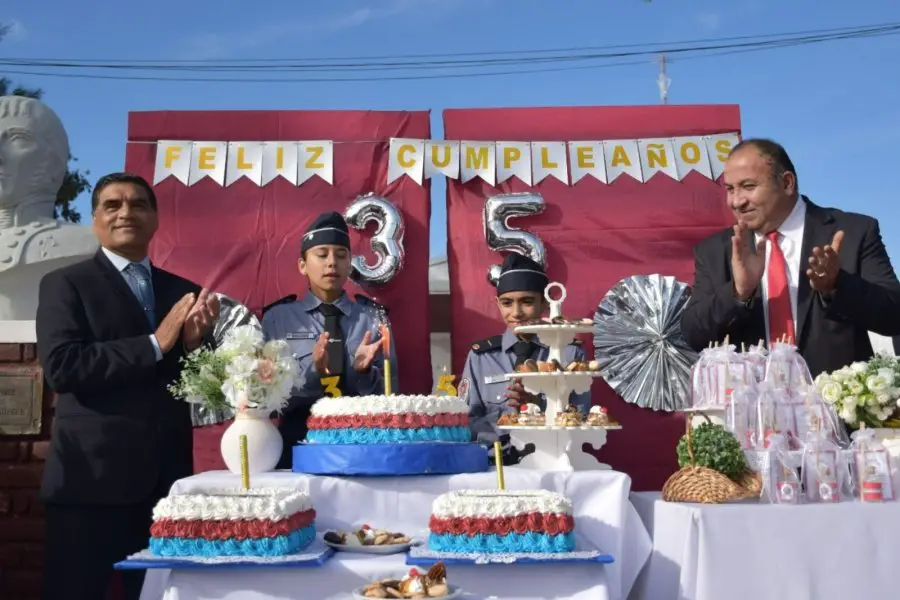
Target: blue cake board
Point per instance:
(390, 460)
(316, 556)
(422, 557)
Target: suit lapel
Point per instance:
(117, 283)
(818, 230)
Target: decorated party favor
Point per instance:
(824, 471)
(775, 415)
(870, 468)
(718, 373)
(785, 368)
(778, 469)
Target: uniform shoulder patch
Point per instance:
(285, 300)
(488, 345)
(366, 301)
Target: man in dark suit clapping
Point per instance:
(790, 269)
(110, 333)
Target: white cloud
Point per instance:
(709, 20)
(217, 45)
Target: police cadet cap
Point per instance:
(521, 274)
(329, 228)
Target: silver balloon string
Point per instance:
(387, 242)
(231, 314)
(639, 345)
(501, 237)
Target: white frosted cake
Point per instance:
(501, 522)
(253, 523)
(388, 420)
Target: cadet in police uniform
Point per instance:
(520, 298)
(335, 339)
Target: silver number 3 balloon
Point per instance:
(503, 238)
(387, 242)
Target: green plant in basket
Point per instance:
(715, 448)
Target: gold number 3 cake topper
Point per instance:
(331, 386)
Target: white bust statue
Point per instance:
(34, 153)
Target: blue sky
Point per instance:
(835, 106)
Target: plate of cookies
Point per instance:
(415, 584)
(367, 540)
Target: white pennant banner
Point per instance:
(514, 160)
(531, 162)
(407, 157)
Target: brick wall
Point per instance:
(21, 515)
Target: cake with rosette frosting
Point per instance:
(501, 522)
(395, 419)
(253, 523)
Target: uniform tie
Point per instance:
(523, 349)
(335, 348)
(781, 319)
(138, 279)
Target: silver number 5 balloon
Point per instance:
(503, 238)
(387, 242)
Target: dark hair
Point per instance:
(131, 178)
(775, 152)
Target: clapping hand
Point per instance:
(747, 266)
(320, 354)
(366, 353)
(824, 265)
(200, 319)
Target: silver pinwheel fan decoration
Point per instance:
(638, 341)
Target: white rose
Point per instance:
(877, 383)
(822, 379)
(883, 398)
(842, 375)
(832, 392)
(888, 375)
(859, 367)
(855, 387)
(848, 414)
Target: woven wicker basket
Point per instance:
(704, 485)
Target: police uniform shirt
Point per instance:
(484, 388)
(300, 323)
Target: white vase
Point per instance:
(264, 443)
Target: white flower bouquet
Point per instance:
(244, 373)
(864, 392)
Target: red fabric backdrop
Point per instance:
(595, 234)
(244, 240)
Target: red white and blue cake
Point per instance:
(388, 420)
(252, 523)
(501, 522)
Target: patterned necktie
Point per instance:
(138, 279)
(332, 316)
(781, 319)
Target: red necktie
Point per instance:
(781, 320)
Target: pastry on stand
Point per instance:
(561, 432)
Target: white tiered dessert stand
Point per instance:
(557, 448)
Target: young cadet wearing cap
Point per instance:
(331, 335)
(520, 298)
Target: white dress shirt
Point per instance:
(121, 263)
(790, 240)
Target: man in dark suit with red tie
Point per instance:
(110, 333)
(790, 269)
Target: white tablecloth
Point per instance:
(752, 551)
(604, 518)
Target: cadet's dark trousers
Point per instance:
(293, 430)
